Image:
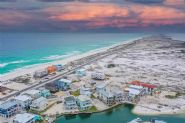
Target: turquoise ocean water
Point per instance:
(19, 50)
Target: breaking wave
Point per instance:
(13, 62)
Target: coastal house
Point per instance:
(100, 87)
(51, 69)
(63, 84)
(84, 102)
(23, 100)
(52, 87)
(39, 104)
(34, 94)
(59, 67)
(85, 90)
(148, 87)
(98, 75)
(9, 108)
(81, 72)
(40, 73)
(24, 118)
(106, 96)
(119, 95)
(45, 92)
(70, 103)
(135, 92)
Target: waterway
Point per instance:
(119, 114)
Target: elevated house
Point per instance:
(106, 96)
(63, 84)
(40, 73)
(23, 100)
(34, 94)
(149, 88)
(98, 75)
(24, 118)
(85, 90)
(45, 92)
(119, 95)
(39, 104)
(52, 87)
(70, 103)
(84, 102)
(81, 72)
(9, 108)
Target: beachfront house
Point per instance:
(40, 73)
(34, 94)
(23, 100)
(135, 92)
(63, 84)
(84, 102)
(98, 75)
(81, 72)
(85, 90)
(45, 92)
(106, 96)
(24, 118)
(149, 89)
(51, 69)
(9, 108)
(39, 104)
(70, 103)
(119, 95)
(59, 67)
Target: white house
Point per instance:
(84, 102)
(24, 118)
(98, 75)
(39, 104)
(33, 93)
(100, 87)
(119, 95)
(40, 73)
(23, 100)
(85, 90)
(106, 96)
(70, 103)
(81, 72)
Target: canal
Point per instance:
(119, 114)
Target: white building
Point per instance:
(100, 87)
(23, 100)
(33, 93)
(24, 118)
(98, 75)
(106, 96)
(40, 73)
(84, 102)
(39, 104)
(85, 90)
(70, 103)
(81, 72)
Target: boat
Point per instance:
(137, 120)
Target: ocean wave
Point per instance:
(13, 62)
(56, 57)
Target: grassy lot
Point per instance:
(92, 109)
(75, 93)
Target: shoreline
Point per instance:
(30, 69)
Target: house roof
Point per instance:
(134, 91)
(142, 84)
(32, 92)
(8, 104)
(102, 85)
(65, 80)
(83, 98)
(23, 118)
(41, 99)
(23, 98)
(69, 98)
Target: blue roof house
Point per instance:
(9, 108)
(63, 84)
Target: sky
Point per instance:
(92, 15)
